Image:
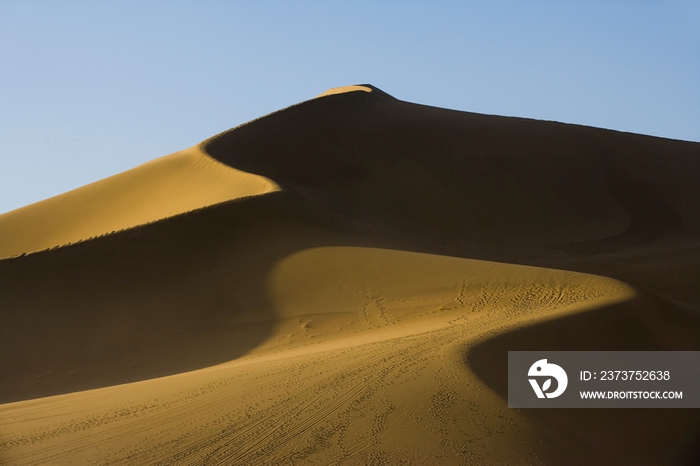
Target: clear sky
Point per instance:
(89, 89)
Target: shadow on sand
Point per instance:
(605, 436)
(176, 295)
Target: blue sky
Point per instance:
(89, 89)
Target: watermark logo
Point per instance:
(603, 379)
(546, 372)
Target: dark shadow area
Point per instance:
(505, 189)
(465, 179)
(605, 436)
(168, 297)
(651, 217)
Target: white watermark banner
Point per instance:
(604, 379)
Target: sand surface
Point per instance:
(339, 282)
(167, 186)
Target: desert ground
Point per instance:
(339, 282)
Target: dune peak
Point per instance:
(352, 88)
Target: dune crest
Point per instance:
(344, 89)
(167, 186)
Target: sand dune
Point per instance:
(460, 178)
(164, 187)
(344, 89)
(342, 285)
(359, 334)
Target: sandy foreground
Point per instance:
(339, 282)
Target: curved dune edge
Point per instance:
(600, 436)
(364, 364)
(330, 92)
(164, 187)
(343, 90)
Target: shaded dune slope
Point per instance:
(489, 187)
(390, 274)
(176, 295)
(595, 436)
(456, 175)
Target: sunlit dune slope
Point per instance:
(166, 297)
(362, 356)
(164, 187)
(370, 354)
(344, 89)
(361, 311)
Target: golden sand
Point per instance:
(339, 283)
(366, 354)
(344, 89)
(167, 186)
